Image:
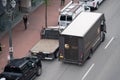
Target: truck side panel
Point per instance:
(92, 37)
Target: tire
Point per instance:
(57, 55)
(90, 54)
(39, 71)
(103, 37)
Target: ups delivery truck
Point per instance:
(80, 39)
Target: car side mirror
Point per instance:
(33, 65)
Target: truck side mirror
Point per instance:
(103, 26)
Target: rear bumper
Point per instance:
(72, 62)
(46, 56)
(43, 56)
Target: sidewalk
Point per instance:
(18, 19)
(24, 40)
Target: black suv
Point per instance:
(26, 68)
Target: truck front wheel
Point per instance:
(90, 53)
(102, 37)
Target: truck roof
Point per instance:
(82, 23)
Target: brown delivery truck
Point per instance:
(80, 39)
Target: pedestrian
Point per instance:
(62, 2)
(25, 20)
(0, 48)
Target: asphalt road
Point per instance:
(104, 64)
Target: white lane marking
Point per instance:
(109, 43)
(87, 72)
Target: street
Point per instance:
(104, 64)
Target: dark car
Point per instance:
(26, 68)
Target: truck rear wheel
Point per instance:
(90, 54)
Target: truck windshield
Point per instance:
(69, 18)
(63, 17)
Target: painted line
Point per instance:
(109, 43)
(87, 72)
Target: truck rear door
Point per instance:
(71, 49)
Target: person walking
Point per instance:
(25, 20)
(62, 2)
(0, 48)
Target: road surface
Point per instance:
(104, 64)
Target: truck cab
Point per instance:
(70, 12)
(94, 4)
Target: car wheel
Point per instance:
(39, 71)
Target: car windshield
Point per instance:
(12, 69)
